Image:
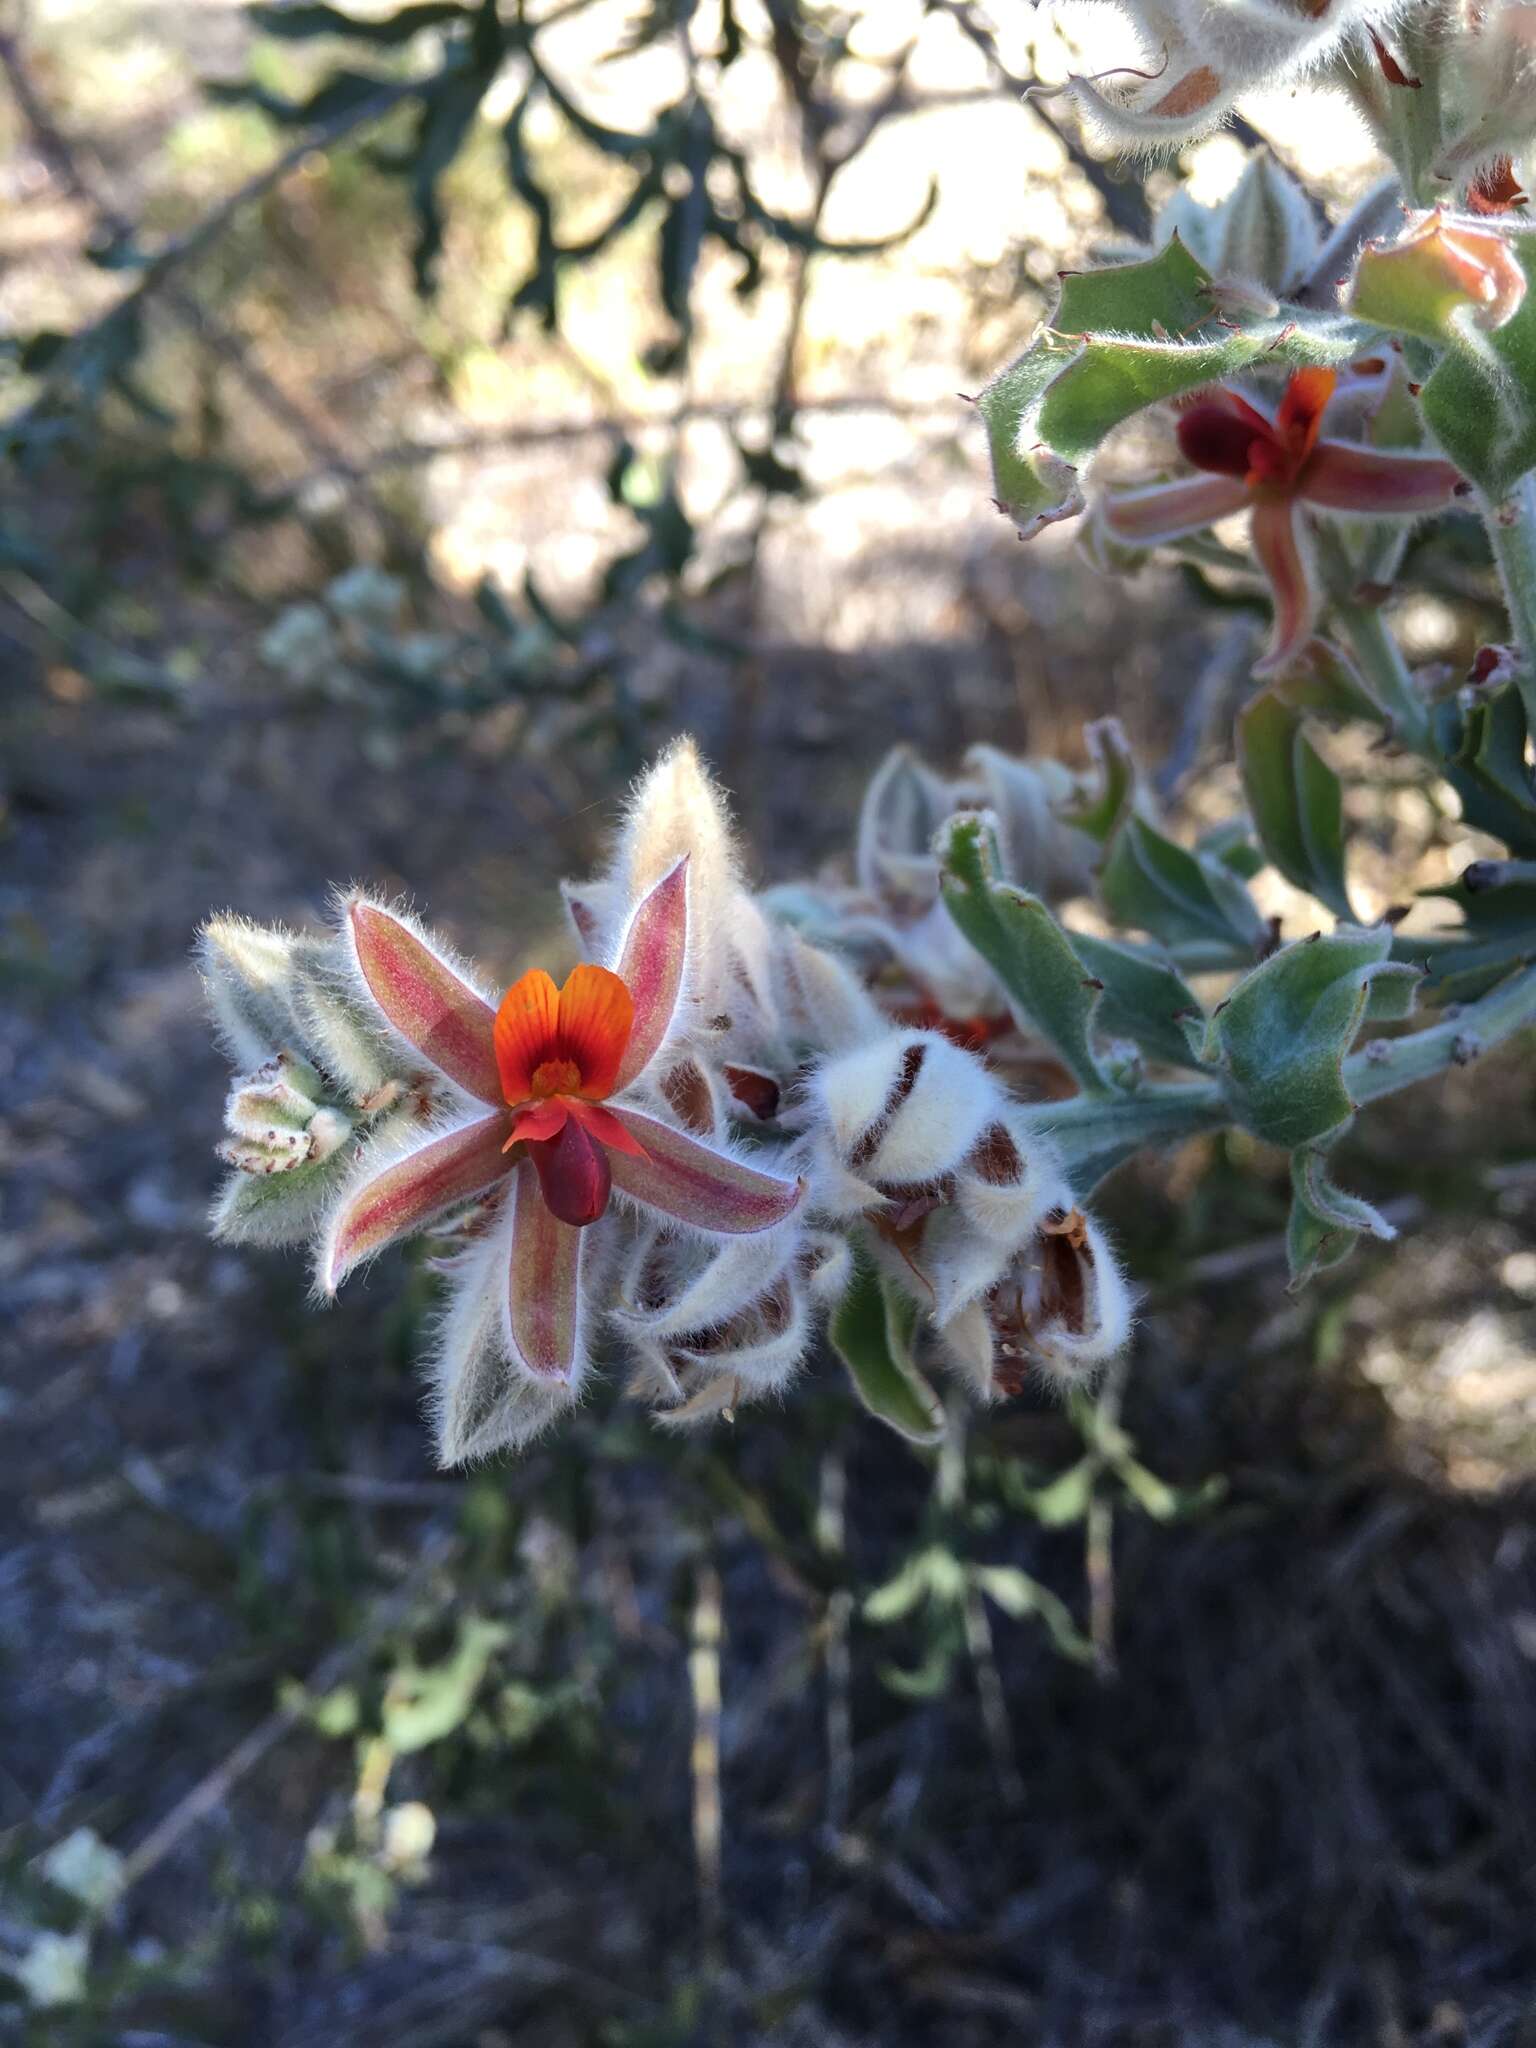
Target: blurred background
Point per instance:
(412, 421)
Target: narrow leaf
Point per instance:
(1295, 799)
(1024, 946)
(867, 1335)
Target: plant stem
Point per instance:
(1394, 1063)
(1095, 1133)
(1512, 533)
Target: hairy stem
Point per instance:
(1473, 1028)
(1096, 1133)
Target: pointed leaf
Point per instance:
(1483, 739)
(1325, 1224)
(1295, 799)
(870, 1333)
(1024, 946)
(1145, 999)
(1282, 1034)
(1192, 903)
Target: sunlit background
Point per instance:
(344, 564)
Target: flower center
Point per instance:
(556, 1077)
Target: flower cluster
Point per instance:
(680, 1152)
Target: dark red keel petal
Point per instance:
(574, 1175)
(1221, 441)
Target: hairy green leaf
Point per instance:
(1480, 400)
(1281, 1036)
(1295, 799)
(871, 1332)
(1191, 902)
(1145, 999)
(1325, 1223)
(1024, 946)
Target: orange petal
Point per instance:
(1300, 418)
(544, 1120)
(597, 1014)
(603, 1125)
(527, 1026)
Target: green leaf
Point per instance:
(1322, 679)
(1145, 999)
(1483, 739)
(297, 23)
(1099, 814)
(1067, 1498)
(1193, 904)
(871, 1332)
(1295, 799)
(1024, 946)
(1019, 1595)
(1325, 1223)
(1480, 400)
(1281, 1036)
(1170, 290)
(423, 1704)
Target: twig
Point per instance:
(993, 1700)
(186, 247)
(211, 1791)
(65, 159)
(837, 1661)
(704, 1681)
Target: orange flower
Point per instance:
(1281, 468)
(559, 1052)
(551, 1130)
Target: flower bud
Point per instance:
(905, 1110)
(711, 1329)
(1440, 277)
(247, 972)
(277, 1121)
(1061, 1306)
(677, 811)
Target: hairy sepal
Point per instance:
(478, 1402)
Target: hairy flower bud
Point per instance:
(1441, 278)
(1061, 1307)
(277, 1121)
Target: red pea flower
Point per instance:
(1282, 468)
(553, 1134)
